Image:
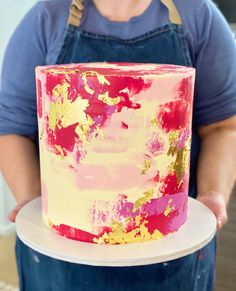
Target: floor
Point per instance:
(8, 274)
(226, 265)
(226, 260)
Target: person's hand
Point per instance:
(217, 204)
(12, 215)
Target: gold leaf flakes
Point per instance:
(168, 210)
(119, 236)
(154, 122)
(60, 150)
(61, 90)
(146, 166)
(83, 129)
(141, 201)
(105, 98)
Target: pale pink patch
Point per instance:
(118, 177)
(100, 215)
(155, 145)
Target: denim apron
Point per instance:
(194, 272)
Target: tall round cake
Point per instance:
(114, 149)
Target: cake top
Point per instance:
(127, 69)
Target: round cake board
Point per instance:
(198, 230)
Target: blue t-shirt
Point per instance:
(39, 37)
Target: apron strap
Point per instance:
(174, 16)
(77, 7)
(76, 12)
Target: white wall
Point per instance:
(11, 12)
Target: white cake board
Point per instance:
(198, 230)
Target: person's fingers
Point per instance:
(217, 204)
(12, 215)
(222, 218)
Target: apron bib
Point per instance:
(163, 45)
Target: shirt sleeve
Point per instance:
(26, 50)
(215, 62)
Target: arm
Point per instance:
(217, 166)
(19, 165)
(214, 105)
(18, 154)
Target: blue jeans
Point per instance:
(37, 272)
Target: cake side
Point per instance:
(114, 150)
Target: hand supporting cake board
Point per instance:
(198, 230)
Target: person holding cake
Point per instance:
(189, 33)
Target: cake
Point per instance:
(114, 149)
